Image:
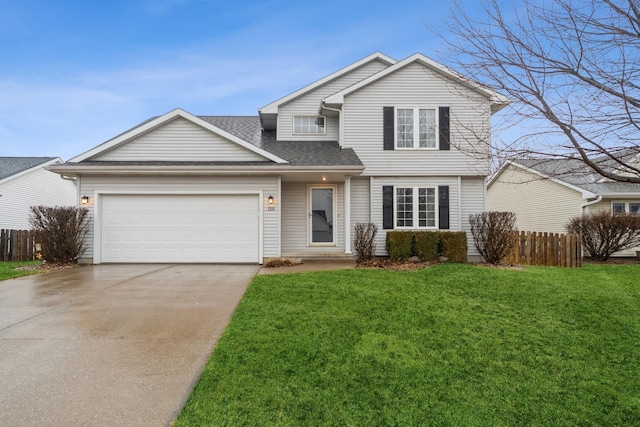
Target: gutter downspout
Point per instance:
(323, 105)
(593, 202)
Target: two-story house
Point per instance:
(383, 141)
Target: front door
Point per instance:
(322, 216)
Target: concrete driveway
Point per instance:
(110, 344)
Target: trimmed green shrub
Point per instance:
(426, 244)
(454, 246)
(400, 245)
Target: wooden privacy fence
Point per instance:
(554, 249)
(17, 245)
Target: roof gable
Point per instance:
(497, 100)
(532, 169)
(12, 167)
(377, 56)
(179, 140)
(153, 141)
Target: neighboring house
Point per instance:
(25, 182)
(544, 194)
(377, 141)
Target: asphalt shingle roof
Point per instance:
(575, 172)
(10, 166)
(297, 153)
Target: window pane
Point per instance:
(404, 207)
(404, 128)
(427, 128)
(322, 215)
(426, 207)
(634, 208)
(618, 207)
(308, 125)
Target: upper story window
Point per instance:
(416, 128)
(309, 125)
(626, 207)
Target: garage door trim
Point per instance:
(97, 220)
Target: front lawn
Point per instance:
(450, 345)
(8, 269)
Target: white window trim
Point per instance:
(416, 214)
(416, 127)
(293, 127)
(625, 203)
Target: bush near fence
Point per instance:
(552, 249)
(17, 245)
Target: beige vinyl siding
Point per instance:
(360, 203)
(309, 104)
(605, 204)
(376, 208)
(417, 86)
(295, 221)
(473, 202)
(540, 204)
(91, 185)
(179, 140)
(38, 187)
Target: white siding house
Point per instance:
(294, 180)
(26, 182)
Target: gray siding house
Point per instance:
(380, 141)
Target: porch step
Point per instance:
(328, 258)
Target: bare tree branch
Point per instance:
(572, 69)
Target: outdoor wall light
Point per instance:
(84, 200)
(270, 200)
(324, 178)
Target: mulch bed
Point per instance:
(387, 264)
(46, 267)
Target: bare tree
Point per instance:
(572, 69)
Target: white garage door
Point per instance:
(179, 228)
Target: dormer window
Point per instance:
(309, 125)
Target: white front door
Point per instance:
(322, 215)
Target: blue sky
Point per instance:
(74, 74)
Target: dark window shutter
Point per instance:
(444, 142)
(388, 128)
(443, 207)
(387, 207)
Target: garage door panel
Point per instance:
(180, 228)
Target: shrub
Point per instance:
(400, 245)
(426, 244)
(365, 241)
(493, 234)
(454, 246)
(279, 262)
(60, 231)
(604, 233)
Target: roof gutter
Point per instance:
(76, 170)
(593, 202)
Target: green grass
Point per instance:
(451, 345)
(7, 269)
